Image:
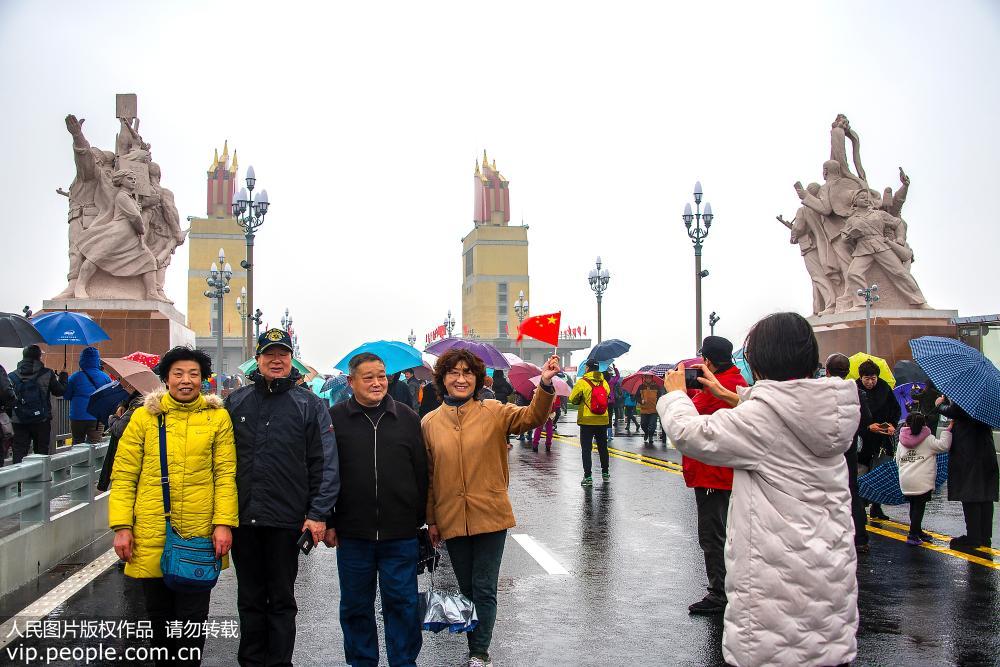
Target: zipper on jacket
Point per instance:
(375, 450)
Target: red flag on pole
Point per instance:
(541, 327)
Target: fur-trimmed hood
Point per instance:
(154, 402)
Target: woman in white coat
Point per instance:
(790, 558)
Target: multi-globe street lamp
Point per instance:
(598, 279)
(697, 235)
(412, 339)
(870, 295)
(249, 214)
(449, 323)
(218, 280)
(521, 310)
(713, 319)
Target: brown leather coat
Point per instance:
(467, 462)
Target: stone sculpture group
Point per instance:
(849, 233)
(122, 222)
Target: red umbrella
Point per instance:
(632, 383)
(145, 358)
(520, 377)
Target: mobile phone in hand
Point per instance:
(691, 376)
(305, 543)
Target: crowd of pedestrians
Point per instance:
(274, 470)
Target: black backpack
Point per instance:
(31, 401)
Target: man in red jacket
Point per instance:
(713, 485)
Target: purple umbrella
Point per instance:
(488, 354)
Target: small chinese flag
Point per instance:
(541, 327)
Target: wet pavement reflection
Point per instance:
(631, 550)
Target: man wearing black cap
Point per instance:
(713, 484)
(287, 480)
(34, 385)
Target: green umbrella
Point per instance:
(250, 365)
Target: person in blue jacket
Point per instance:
(80, 387)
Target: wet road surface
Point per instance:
(633, 565)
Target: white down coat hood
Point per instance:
(790, 558)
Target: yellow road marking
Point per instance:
(671, 467)
(614, 454)
(937, 536)
(934, 547)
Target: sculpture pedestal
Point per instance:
(892, 330)
(147, 326)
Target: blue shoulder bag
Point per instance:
(189, 565)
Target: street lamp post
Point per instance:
(599, 279)
(249, 214)
(697, 235)
(449, 323)
(870, 295)
(257, 319)
(521, 310)
(412, 339)
(218, 280)
(241, 308)
(713, 319)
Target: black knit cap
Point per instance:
(718, 350)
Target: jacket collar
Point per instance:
(161, 402)
(277, 386)
(354, 408)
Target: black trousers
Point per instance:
(917, 506)
(648, 425)
(713, 510)
(588, 435)
(163, 606)
(979, 522)
(84, 431)
(27, 434)
(267, 563)
(476, 560)
(857, 503)
(630, 419)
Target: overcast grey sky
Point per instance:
(363, 121)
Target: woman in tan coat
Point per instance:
(467, 502)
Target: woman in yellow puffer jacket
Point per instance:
(202, 469)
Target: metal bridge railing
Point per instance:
(28, 488)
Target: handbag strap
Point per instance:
(164, 475)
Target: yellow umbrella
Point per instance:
(883, 367)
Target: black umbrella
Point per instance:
(907, 371)
(609, 349)
(17, 331)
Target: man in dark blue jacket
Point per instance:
(287, 480)
(81, 386)
(380, 508)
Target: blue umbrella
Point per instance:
(65, 327)
(105, 400)
(741, 363)
(962, 374)
(881, 485)
(608, 349)
(397, 356)
(659, 370)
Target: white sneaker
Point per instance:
(479, 662)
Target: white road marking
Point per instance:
(541, 556)
(44, 605)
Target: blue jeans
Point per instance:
(394, 562)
